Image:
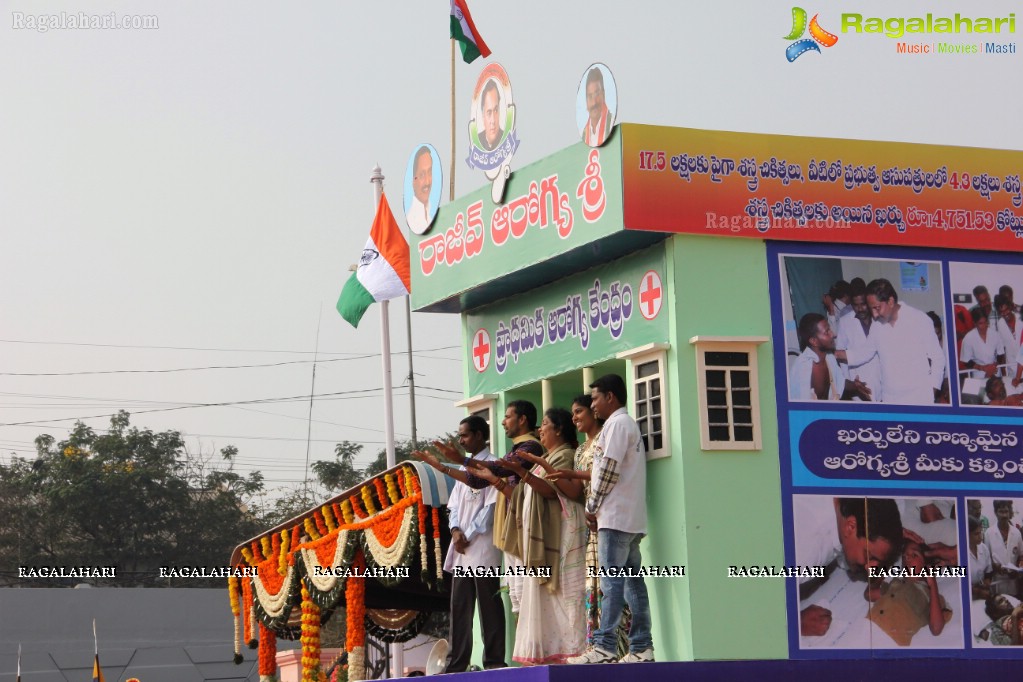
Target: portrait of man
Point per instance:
(599, 122)
(490, 103)
(419, 210)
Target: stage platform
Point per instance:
(831, 670)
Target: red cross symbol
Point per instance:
(650, 295)
(481, 350)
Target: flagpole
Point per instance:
(19, 662)
(95, 640)
(451, 179)
(376, 178)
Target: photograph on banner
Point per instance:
(492, 138)
(424, 180)
(868, 330)
(988, 332)
(596, 104)
(996, 577)
(891, 573)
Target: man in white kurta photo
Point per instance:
(902, 337)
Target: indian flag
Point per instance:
(464, 31)
(384, 271)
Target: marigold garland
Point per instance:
(355, 625)
(321, 525)
(232, 590)
(367, 500)
(436, 543)
(392, 488)
(346, 511)
(267, 652)
(310, 638)
(388, 512)
(266, 545)
(282, 558)
(381, 493)
(328, 518)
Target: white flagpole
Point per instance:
(376, 178)
(95, 640)
(19, 661)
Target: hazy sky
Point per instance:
(192, 195)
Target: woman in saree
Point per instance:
(551, 626)
(575, 483)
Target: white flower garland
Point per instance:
(357, 664)
(324, 583)
(392, 556)
(273, 604)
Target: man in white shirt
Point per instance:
(418, 214)
(1003, 538)
(1010, 331)
(912, 362)
(815, 374)
(471, 520)
(616, 510)
(854, 332)
(982, 348)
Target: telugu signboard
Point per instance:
(553, 206)
(818, 189)
(580, 320)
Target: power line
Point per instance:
(214, 367)
(214, 350)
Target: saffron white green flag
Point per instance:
(464, 31)
(384, 271)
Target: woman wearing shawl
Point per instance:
(552, 616)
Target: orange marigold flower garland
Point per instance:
(233, 590)
(267, 654)
(321, 526)
(249, 611)
(257, 555)
(381, 493)
(355, 624)
(436, 543)
(310, 637)
(359, 513)
(421, 508)
(401, 482)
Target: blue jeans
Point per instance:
(617, 549)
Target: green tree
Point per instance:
(130, 498)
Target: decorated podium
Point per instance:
(375, 550)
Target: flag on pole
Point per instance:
(97, 672)
(19, 663)
(384, 271)
(464, 31)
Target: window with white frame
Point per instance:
(726, 371)
(648, 396)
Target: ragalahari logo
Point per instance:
(817, 35)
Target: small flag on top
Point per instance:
(384, 271)
(464, 31)
(97, 672)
